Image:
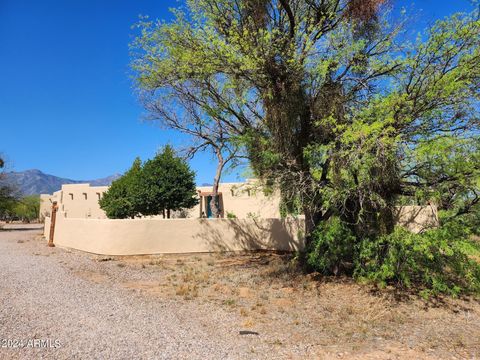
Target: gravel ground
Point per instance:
(85, 306)
(47, 294)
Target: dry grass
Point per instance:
(270, 295)
(188, 291)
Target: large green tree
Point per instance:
(27, 208)
(120, 201)
(331, 101)
(166, 184)
(156, 187)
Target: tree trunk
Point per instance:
(168, 213)
(214, 203)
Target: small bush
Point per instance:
(332, 248)
(231, 215)
(445, 260)
(436, 261)
(470, 220)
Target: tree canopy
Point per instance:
(27, 208)
(156, 187)
(332, 101)
(120, 200)
(8, 193)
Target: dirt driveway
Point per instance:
(63, 304)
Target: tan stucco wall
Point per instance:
(46, 202)
(76, 201)
(417, 218)
(81, 224)
(81, 201)
(45, 206)
(244, 200)
(159, 236)
(46, 228)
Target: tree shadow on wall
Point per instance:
(251, 234)
(416, 218)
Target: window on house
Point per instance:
(71, 196)
(85, 196)
(99, 196)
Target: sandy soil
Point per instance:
(214, 306)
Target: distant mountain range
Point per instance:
(34, 182)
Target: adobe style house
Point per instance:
(236, 200)
(240, 200)
(78, 200)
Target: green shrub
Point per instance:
(445, 260)
(231, 215)
(332, 248)
(475, 222)
(158, 186)
(434, 262)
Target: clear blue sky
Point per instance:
(66, 101)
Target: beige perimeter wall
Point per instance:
(156, 236)
(162, 236)
(46, 227)
(417, 218)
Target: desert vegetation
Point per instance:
(339, 106)
(219, 305)
(156, 187)
(270, 296)
(14, 206)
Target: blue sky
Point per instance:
(66, 100)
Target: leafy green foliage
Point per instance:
(473, 221)
(8, 194)
(437, 261)
(7, 200)
(328, 100)
(335, 107)
(331, 250)
(231, 215)
(160, 185)
(27, 208)
(166, 183)
(469, 221)
(121, 200)
(12, 205)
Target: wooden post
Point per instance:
(52, 224)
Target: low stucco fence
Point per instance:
(46, 227)
(163, 236)
(160, 236)
(417, 218)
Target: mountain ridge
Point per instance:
(35, 182)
